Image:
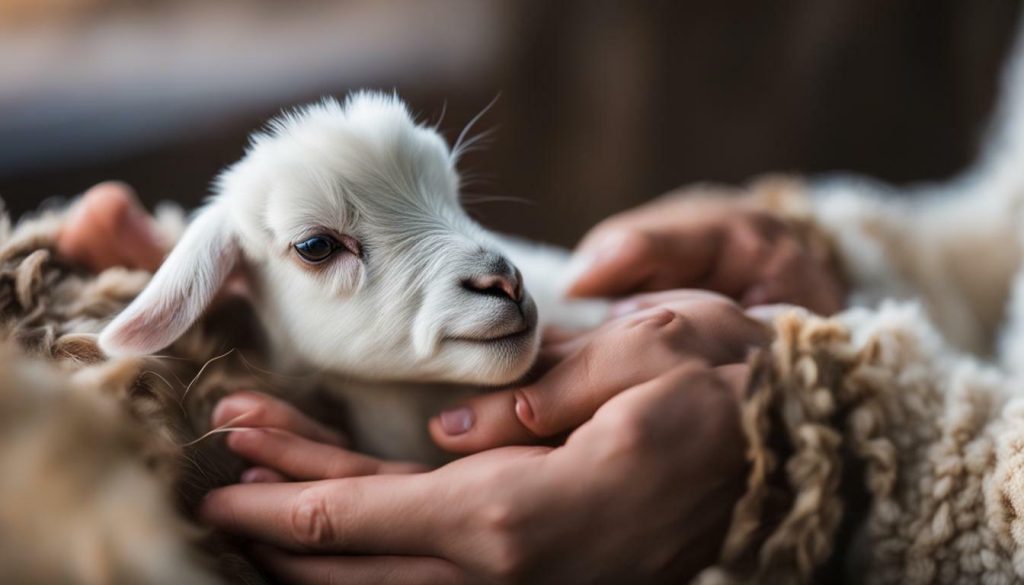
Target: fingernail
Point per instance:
(597, 253)
(225, 411)
(257, 475)
(624, 308)
(240, 439)
(232, 407)
(524, 412)
(457, 421)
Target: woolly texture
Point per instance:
(875, 400)
(101, 471)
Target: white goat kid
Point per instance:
(347, 222)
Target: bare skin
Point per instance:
(109, 227)
(724, 245)
(634, 494)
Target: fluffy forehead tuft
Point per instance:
(368, 143)
(333, 161)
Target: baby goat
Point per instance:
(345, 219)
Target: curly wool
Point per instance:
(103, 458)
(928, 435)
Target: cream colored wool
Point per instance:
(918, 407)
(100, 471)
(931, 436)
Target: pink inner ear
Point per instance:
(179, 292)
(144, 330)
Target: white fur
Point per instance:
(366, 170)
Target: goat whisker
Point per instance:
(457, 149)
(224, 428)
(203, 369)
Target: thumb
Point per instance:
(522, 416)
(613, 263)
(560, 401)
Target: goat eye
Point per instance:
(317, 248)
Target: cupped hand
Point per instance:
(652, 334)
(289, 445)
(641, 491)
(727, 245)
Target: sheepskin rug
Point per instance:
(104, 460)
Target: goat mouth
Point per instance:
(515, 336)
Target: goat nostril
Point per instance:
(497, 285)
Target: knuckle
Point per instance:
(507, 556)
(660, 325)
(309, 520)
(719, 314)
(507, 561)
(256, 413)
(499, 519)
(339, 467)
(712, 396)
(628, 435)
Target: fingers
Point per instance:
(626, 353)
(673, 297)
(742, 252)
(302, 459)
(617, 263)
(108, 227)
(658, 332)
(396, 514)
(703, 400)
(659, 246)
(254, 409)
(372, 570)
(721, 333)
(482, 423)
(795, 277)
(261, 475)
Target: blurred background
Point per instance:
(602, 104)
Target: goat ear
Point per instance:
(180, 290)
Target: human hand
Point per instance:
(634, 495)
(108, 227)
(291, 445)
(724, 244)
(652, 333)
